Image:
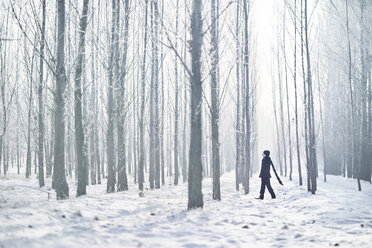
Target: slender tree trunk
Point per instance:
(122, 172)
(141, 163)
(247, 98)
(28, 155)
(364, 170)
(238, 102)
(93, 113)
(215, 104)
(295, 91)
(79, 130)
(162, 103)
(111, 177)
(195, 196)
(151, 109)
(176, 93)
(305, 96)
(40, 98)
(287, 94)
(281, 111)
(156, 98)
(352, 134)
(184, 162)
(59, 177)
(312, 150)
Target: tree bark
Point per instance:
(141, 163)
(238, 102)
(121, 108)
(111, 177)
(40, 99)
(195, 196)
(295, 91)
(215, 104)
(247, 99)
(176, 93)
(59, 177)
(79, 130)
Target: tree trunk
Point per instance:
(111, 177)
(238, 102)
(59, 177)
(310, 112)
(40, 98)
(176, 93)
(156, 98)
(195, 196)
(93, 114)
(122, 172)
(364, 170)
(79, 131)
(295, 91)
(162, 103)
(141, 163)
(215, 104)
(247, 98)
(28, 155)
(184, 157)
(287, 94)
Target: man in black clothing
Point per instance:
(265, 175)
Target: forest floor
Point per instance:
(338, 215)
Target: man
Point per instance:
(265, 175)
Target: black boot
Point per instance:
(260, 197)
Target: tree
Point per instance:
(238, 101)
(176, 93)
(247, 98)
(287, 94)
(364, 170)
(79, 131)
(195, 196)
(311, 158)
(156, 97)
(40, 99)
(59, 177)
(122, 172)
(295, 92)
(215, 104)
(29, 65)
(141, 163)
(111, 177)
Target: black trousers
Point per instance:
(265, 182)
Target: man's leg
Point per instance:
(268, 185)
(262, 191)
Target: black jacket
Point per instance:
(265, 167)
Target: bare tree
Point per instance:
(79, 131)
(295, 92)
(238, 102)
(111, 177)
(215, 103)
(141, 163)
(176, 93)
(195, 196)
(40, 98)
(247, 96)
(59, 177)
(122, 172)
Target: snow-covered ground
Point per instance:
(337, 215)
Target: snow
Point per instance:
(337, 215)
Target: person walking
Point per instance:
(265, 175)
